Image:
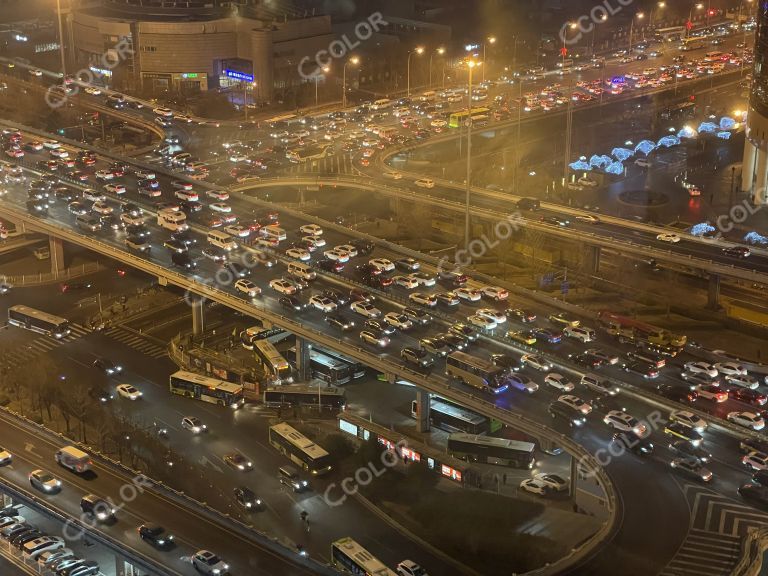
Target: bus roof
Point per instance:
(38, 314)
(361, 556)
(492, 441)
(299, 440)
(455, 411)
(480, 363)
(324, 391)
(206, 381)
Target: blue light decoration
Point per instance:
(724, 134)
(727, 123)
(621, 154)
(615, 168)
(702, 228)
(707, 127)
(755, 239)
(238, 75)
(618, 80)
(600, 161)
(668, 141)
(580, 166)
(687, 132)
(646, 147)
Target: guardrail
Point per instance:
(40, 278)
(753, 550)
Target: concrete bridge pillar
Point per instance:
(422, 410)
(713, 296)
(748, 166)
(303, 366)
(56, 246)
(198, 321)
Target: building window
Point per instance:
(149, 48)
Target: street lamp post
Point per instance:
(564, 49)
(440, 51)
(470, 65)
(61, 41)
(639, 16)
(489, 40)
(419, 50)
(698, 6)
(354, 61)
(658, 5)
(325, 70)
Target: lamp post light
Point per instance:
(419, 50)
(658, 5)
(698, 6)
(354, 61)
(471, 64)
(61, 41)
(489, 40)
(325, 70)
(639, 16)
(564, 49)
(440, 51)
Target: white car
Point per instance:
(425, 183)
(193, 424)
(755, 461)
(92, 90)
(348, 248)
(34, 548)
(481, 322)
(298, 254)
(523, 383)
(314, 241)
(48, 559)
(104, 175)
(701, 368)
(365, 309)
(410, 568)
(576, 403)
(747, 419)
(142, 174)
(392, 175)
(438, 123)
(668, 237)
(745, 381)
(423, 279)
(5, 457)
(580, 333)
(382, 264)
(188, 195)
(102, 207)
(559, 382)
(220, 207)
(423, 299)
(495, 293)
(92, 195)
(468, 294)
(375, 338)
(336, 255)
(51, 144)
(405, 282)
(491, 314)
(536, 362)
(534, 486)
(44, 481)
(588, 218)
(115, 188)
(128, 391)
(323, 303)
(163, 112)
(283, 287)
(555, 482)
(220, 195)
(311, 229)
(238, 230)
(689, 419)
(206, 562)
(247, 287)
(397, 320)
(730, 369)
(624, 422)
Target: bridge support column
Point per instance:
(713, 297)
(593, 259)
(198, 320)
(56, 246)
(748, 166)
(759, 194)
(422, 411)
(303, 372)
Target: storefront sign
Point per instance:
(238, 75)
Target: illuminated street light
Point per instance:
(489, 40)
(439, 51)
(639, 16)
(354, 61)
(419, 50)
(325, 70)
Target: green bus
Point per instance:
(458, 119)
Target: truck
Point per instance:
(627, 329)
(73, 459)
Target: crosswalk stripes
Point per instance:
(713, 543)
(136, 342)
(42, 345)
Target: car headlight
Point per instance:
(258, 502)
(247, 504)
(240, 466)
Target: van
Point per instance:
(599, 384)
(289, 476)
(97, 507)
(73, 459)
(580, 333)
(301, 270)
(88, 222)
(274, 232)
(221, 240)
(528, 204)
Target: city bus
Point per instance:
(476, 372)
(715, 56)
(490, 450)
(356, 369)
(694, 43)
(457, 119)
(299, 155)
(37, 321)
(300, 449)
(207, 389)
(273, 363)
(322, 366)
(314, 396)
(452, 418)
(351, 558)
(671, 34)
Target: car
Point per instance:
(492, 315)
(701, 368)
(688, 419)
(687, 450)
(755, 461)
(313, 242)
(323, 303)
(115, 188)
(576, 403)
(749, 444)
(755, 493)
(206, 562)
(215, 253)
(193, 424)
(104, 175)
(481, 322)
(77, 208)
(558, 220)
(647, 371)
(495, 293)
(747, 420)
(588, 218)
(407, 264)
(536, 362)
(668, 237)
(435, 346)
(711, 392)
(107, 366)
(737, 251)
(336, 296)
(555, 482)
(382, 264)
(336, 255)
(237, 230)
(633, 442)
(423, 279)
(375, 338)
(247, 288)
(624, 422)
(298, 253)
(416, 357)
(44, 481)
(563, 320)
(365, 309)
(748, 396)
(522, 336)
(698, 379)
(398, 320)
(348, 248)
(683, 432)
(559, 382)
(642, 163)
(449, 299)
(392, 175)
(410, 568)
(102, 207)
(128, 391)
(522, 383)
(238, 461)
(468, 294)
(311, 230)
(425, 183)
(605, 357)
(580, 333)
(138, 243)
(340, 322)
(520, 315)
(692, 467)
(406, 282)
(156, 535)
(159, 111)
(50, 558)
(246, 498)
(534, 486)
(220, 207)
(283, 287)
(417, 316)
(743, 381)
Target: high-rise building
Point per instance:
(754, 176)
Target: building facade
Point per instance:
(754, 176)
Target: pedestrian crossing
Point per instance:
(41, 345)
(338, 164)
(713, 544)
(136, 341)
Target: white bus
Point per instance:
(288, 396)
(173, 220)
(351, 558)
(207, 389)
(491, 450)
(476, 372)
(300, 449)
(272, 361)
(37, 321)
